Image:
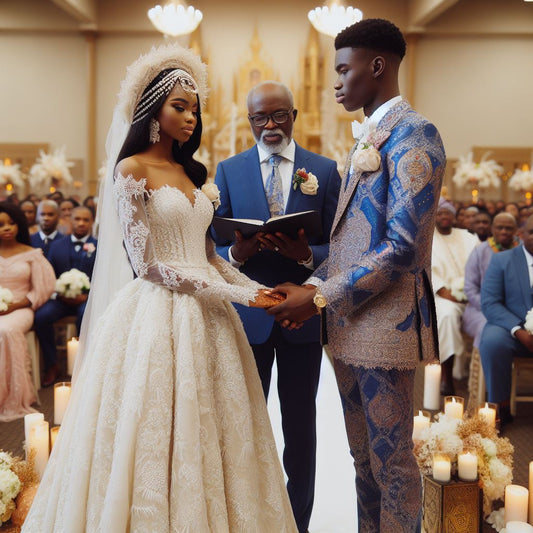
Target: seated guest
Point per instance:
(470, 215)
(30, 212)
(28, 275)
(482, 225)
(506, 297)
(503, 238)
(74, 251)
(451, 248)
(65, 210)
(48, 217)
(512, 207)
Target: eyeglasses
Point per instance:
(279, 117)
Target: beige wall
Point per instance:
(473, 67)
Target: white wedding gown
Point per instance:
(167, 428)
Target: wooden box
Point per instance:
(454, 507)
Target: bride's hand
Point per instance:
(267, 298)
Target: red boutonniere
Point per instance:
(307, 181)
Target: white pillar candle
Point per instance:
(72, 350)
(441, 468)
(489, 414)
(29, 421)
(531, 492)
(432, 387)
(518, 527)
(53, 436)
(61, 398)
(421, 422)
(453, 407)
(516, 502)
(467, 466)
(40, 442)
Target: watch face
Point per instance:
(319, 301)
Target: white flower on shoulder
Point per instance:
(212, 192)
(366, 158)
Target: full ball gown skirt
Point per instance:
(167, 428)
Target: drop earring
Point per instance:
(154, 131)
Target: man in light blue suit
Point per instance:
(258, 184)
(506, 297)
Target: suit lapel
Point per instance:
(522, 274)
(382, 133)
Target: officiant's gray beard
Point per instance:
(273, 148)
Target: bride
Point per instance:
(167, 428)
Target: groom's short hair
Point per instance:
(374, 34)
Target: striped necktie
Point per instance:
(274, 188)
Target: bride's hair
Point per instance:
(138, 138)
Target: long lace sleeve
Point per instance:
(130, 197)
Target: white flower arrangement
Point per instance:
(11, 174)
(522, 180)
(483, 174)
(451, 436)
(6, 297)
(51, 169)
(528, 323)
(73, 283)
(457, 288)
(307, 181)
(212, 192)
(10, 486)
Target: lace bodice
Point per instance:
(167, 242)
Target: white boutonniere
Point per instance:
(307, 181)
(89, 248)
(366, 157)
(212, 192)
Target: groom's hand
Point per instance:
(298, 306)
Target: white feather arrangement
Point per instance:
(483, 174)
(522, 180)
(51, 169)
(11, 174)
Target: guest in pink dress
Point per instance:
(31, 280)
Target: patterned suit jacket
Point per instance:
(377, 279)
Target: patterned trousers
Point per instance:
(378, 413)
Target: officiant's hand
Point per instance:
(296, 249)
(525, 338)
(298, 307)
(244, 248)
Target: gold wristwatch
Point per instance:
(319, 300)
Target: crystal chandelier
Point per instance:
(175, 18)
(331, 19)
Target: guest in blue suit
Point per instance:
(78, 250)
(506, 297)
(259, 183)
(47, 218)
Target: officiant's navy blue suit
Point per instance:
(298, 353)
(63, 256)
(506, 297)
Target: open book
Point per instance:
(289, 224)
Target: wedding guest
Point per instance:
(482, 225)
(65, 211)
(30, 212)
(259, 183)
(451, 249)
(75, 251)
(375, 284)
(48, 218)
(469, 216)
(90, 202)
(503, 238)
(506, 298)
(512, 207)
(524, 213)
(27, 274)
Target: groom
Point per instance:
(259, 183)
(375, 286)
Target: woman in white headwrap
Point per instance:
(167, 428)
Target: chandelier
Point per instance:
(331, 19)
(175, 18)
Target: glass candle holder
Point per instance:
(442, 467)
(454, 407)
(488, 412)
(61, 398)
(467, 466)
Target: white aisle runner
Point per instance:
(334, 510)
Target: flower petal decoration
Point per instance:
(51, 169)
(521, 180)
(484, 174)
(11, 174)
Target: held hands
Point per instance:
(296, 249)
(267, 298)
(298, 306)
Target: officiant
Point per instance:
(276, 177)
